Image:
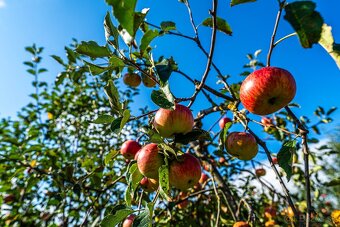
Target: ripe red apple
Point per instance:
(270, 212)
(260, 172)
(132, 79)
(224, 121)
(222, 160)
(183, 204)
(267, 90)
(129, 149)
(147, 81)
(241, 224)
(204, 178)
(128, 222)
(184, 172)
(169, 122)
(241, 145)
(149, 161)
(275, 161)
(149, 184)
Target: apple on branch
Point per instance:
(169, 122)
(132, 79)
(129, 149)
(184, 172)
(128, 222)
(149, 160)
(267, 90)
(149, 184)
(241, 145)
(224, 121)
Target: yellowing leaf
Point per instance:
(33, 163)
(327, 42)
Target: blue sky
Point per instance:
(53, 23)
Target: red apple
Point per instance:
(241, 145)
(270, 212)
(149, 161)
(222, 160)
(241, 224)
(184, 172)
(224, 121)
(128, 222)
(132, 79)
(204, 178)
(129, 149)
(169, 122)
(267, 90)
(148, 184)
(183, 204)
(260, 172)
(275, 161)
(9, 198)
(147, 81)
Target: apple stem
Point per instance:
(272, 45)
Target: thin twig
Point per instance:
(211, 53)
(304, 132)
(218, 202)
(271, 46)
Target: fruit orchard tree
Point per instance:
(84, 152)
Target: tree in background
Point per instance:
(76, 156)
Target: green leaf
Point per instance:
(58, 59)
(306, 22)
(168, 26)
(108, 158)
(126, 117)
(236, 2)
(164, 70)
(92, 49)
(164, 181)
(112, 93)
(327, 42)
(116, 62)
(143, 219)
(71, 56)
(31, 71)
(111, 31)
(147, 38)
(223, 135)
(115, 125)
(334, 182)
(103, 119)
(42, 70)
(135, 177)
(60, 78)
(195, 134)
(331, 110)
(221, 25)
(120, 213)
(96, 69)
(285, 155)
(160, 99)
(124, 12)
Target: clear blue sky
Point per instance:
(53, 23)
